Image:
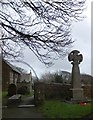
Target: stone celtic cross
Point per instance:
(75, 58)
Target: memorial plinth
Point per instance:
(77, 92)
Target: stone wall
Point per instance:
(57, 90)
(44, 91)
(88, 91)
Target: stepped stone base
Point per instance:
(77, 94)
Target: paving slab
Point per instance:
(21, 113)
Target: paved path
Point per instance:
(24, 112)
(27, 101)
(21, 113)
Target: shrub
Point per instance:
(11, 89)
(23, 90)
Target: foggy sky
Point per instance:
(81, 33)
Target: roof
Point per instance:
(12, 67)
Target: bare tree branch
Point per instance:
(44, 26)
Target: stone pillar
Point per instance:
(30, 79)
(39, 93)
(77, 91)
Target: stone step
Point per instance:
(25, 106)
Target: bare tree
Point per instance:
(44, 26)
(48, 77)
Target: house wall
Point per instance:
(26, 77)
(8, 76)
(11, 77)
(16, 77)
(5, 76)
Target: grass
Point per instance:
(4, 97)
(58, 109)
(4, 94)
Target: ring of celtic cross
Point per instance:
(75, 57)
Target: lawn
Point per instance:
(59, 109)
(4, 97)
(4, 94)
